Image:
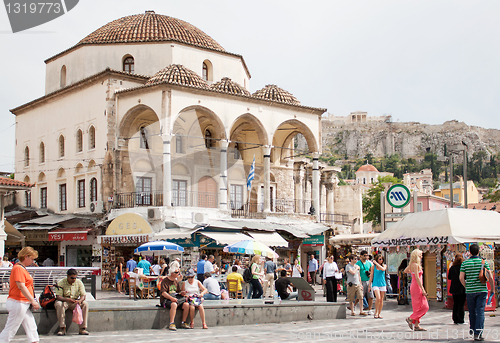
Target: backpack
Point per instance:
(247, 275)
(47, 298)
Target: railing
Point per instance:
(250, 210)
(43, 276)
(335, 218)
(194, 199)
(291, 206)
(135, 199)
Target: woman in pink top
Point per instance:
(419, 301)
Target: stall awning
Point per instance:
(69, 234)
(12, 234)
(223, 238)
(34, 227)
(177, 233)
(270, 239)
(356, 239)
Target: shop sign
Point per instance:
(129, 224)
(125, 239)
(67, 237)
(314, 240)
(37, 235)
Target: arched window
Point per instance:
(178, 145)
(205, 72)
(63, 76)
(61, 146)
(93, 189)
(26, 157)
(79, 141)
(237, 154)
(128, 65)
(208, 139)
(91, 138)
(42, 152)
(144, 137)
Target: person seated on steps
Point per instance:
(172, 297)
(71, 293)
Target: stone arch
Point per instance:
(79, 169)
(91, 165)
(61, 173)
(41, 177)
(207, 192)
(286, 131)
(180, 169)
(26, 179)
(196, 119)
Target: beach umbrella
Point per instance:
(158, 248)
(251, 247)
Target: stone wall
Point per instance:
(409, 139)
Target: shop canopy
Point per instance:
(270, 239)
(353, 239)
(12, 234)
(175, 233)
(448, 226)
(223, 238)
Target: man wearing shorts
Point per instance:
(171, 297)
(354, 286)
(364, 270)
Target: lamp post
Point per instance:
(449, 158)
(457, 149)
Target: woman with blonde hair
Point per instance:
(419, 301)
(256, 275)
(21, 299)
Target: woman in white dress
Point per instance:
(194, 292)
(297, 269)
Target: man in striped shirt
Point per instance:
(476, 292)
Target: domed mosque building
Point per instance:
(148, 114)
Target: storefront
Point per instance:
(37, 237)
(75, 246)
(125, 233)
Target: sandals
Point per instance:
(191, 325)
(205, 326)
(409, 321)
(418, 328)
(353, 314)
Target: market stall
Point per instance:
(440, 234)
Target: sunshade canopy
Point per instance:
(448, 226)
(157, 248)
(251, 247)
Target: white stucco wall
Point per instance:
(148, 60)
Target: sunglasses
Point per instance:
(175, 272)
(72, 277)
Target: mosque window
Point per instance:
(144, 138)
(42, 152)
(205, 72)
(61, 146)
(208, 139)
(26, 157)
(79, 141)
(178, 145)
(237, 154)
(63, 76)
(92, 138)
(128, 65)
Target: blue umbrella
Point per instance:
(157, 248)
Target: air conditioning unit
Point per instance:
(200, 218)
(154, 214)
(96, 206)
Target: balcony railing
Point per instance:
(291, 206)
(135, 199)
(250, 210)
(194, 199)
(335, 218)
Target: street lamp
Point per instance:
(449, 158)
(456, 149)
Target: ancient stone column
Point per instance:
(223, 175)
(299, 189)
(267, 178)
(315, 184)
(167, 171)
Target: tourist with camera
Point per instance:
(364, 269)
(354, 286)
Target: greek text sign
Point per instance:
(398, 196)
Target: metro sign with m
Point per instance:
(398, 196)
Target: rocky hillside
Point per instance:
(407, 139)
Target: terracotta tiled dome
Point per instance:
(226, 85)
(273, 92)
(150, 27)
(178, 75)
(367, 167)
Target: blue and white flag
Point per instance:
(251, 175)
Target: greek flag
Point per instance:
(251, 175)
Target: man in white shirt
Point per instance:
(212, 286)
(209, 266)
(48, 262)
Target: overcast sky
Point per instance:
(428, 60)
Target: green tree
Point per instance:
(494, 193)
(371, 200)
